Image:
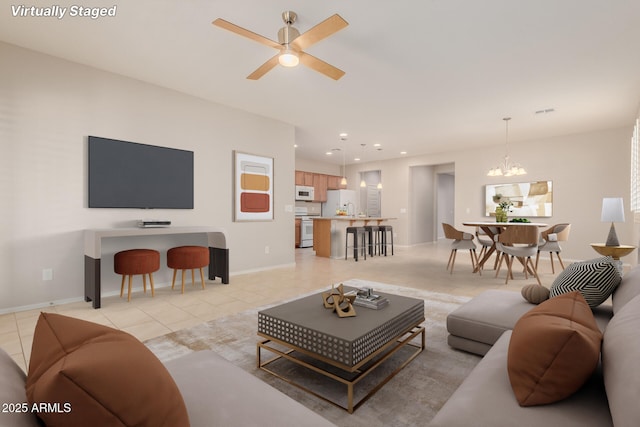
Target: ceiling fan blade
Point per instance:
(246, 33)
(321, 31)
(264, 68)
(320, 66)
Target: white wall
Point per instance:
(48, 106)
(318, 167)
(584, 168)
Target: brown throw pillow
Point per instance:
(554, 349)
(99, 376)
(535, 294)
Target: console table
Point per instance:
(216, 236)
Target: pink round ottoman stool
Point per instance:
(187, 258)
(136, 261)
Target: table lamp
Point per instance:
(612, 211)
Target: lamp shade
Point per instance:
(612, 209)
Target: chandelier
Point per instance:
(506, 166)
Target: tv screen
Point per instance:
(131, 175)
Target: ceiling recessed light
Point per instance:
(403, 152)
(295, 145)
(344, 135)
(357, 159)
(328, 153)
(377, 145)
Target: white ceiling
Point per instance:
(422, 76)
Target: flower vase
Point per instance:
(501, 214)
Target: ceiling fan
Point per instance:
(291, 44)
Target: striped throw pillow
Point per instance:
(595, 279)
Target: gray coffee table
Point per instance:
(306, 333)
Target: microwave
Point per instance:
(304, 193)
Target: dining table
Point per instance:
(492, 228)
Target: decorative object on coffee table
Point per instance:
(366, 298)
(612, 211)
(337, 300)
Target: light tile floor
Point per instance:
(422, 267)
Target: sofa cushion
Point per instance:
(535, 294)
(487, 315)
(629, 287)
(96, 375)
(596, 280)
(485, 399)
(239, 398)
(620, 352)
(554, 349)
(12, 394)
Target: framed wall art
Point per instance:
(527, 199)
(253, 187)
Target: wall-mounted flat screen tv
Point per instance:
(131, 175)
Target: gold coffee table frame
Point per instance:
(388, 350)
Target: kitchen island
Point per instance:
(329, 233)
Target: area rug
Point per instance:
(411, 398)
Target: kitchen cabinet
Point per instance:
(298, 232)
(320, 182)
(334, 183)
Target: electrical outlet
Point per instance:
(266, 249)
(47, 274)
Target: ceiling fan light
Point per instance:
(288, 58)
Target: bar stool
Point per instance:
(373, 233)
(358, 233)
(384, 229)
(187, 258)
(136, 261)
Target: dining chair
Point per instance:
(487, 242)
(519, 241)
(550, 241)
(461, 240)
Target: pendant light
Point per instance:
(343, 181)
(506, 167)
(363, 183)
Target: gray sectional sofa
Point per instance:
(215, 392)
(610, 398)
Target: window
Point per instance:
(635, 169)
